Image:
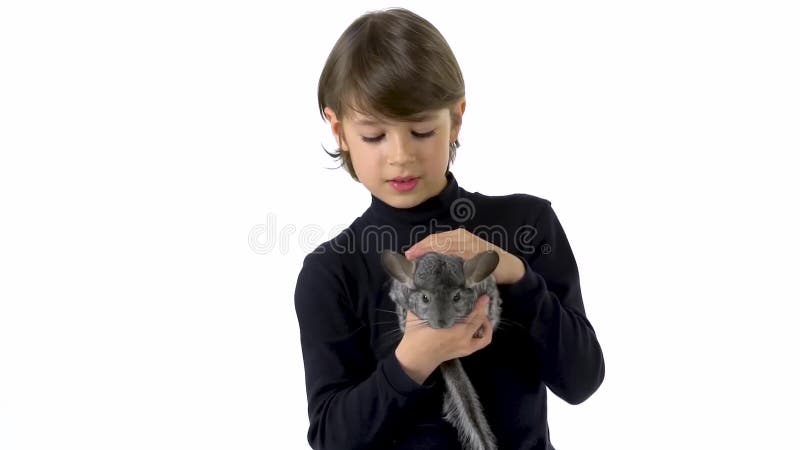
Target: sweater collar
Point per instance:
(436, 207)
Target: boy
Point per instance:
(394, 96)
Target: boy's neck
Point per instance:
(436, 207)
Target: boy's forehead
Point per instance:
(369, 119)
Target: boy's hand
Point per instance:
(461, 242)
(423, 348)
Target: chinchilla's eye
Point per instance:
(425, 298)
(457, 297)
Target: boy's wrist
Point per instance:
(514, 266)
(416, 368)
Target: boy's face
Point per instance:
(381, 151)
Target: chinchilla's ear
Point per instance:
(398, 266)
(480, 266)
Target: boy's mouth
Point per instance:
(404, 184)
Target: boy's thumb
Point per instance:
(483, 304)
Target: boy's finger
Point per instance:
(485, 324)
(480, 305)
(486, 333)
(479, 313)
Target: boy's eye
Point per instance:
(371, 139)
(423, 135)
(413, 133)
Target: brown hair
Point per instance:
(390, 64)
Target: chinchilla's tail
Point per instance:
(463, 410)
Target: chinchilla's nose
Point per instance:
(441, 323)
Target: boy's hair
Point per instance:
(390, 64)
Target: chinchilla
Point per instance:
(442, 290)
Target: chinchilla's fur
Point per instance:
(442, 290)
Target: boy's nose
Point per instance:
(402, 152)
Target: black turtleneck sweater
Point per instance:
(359, 397)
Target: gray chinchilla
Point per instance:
(442, 290)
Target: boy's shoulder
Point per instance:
(515, 204)
(329, 254)
(514, 199)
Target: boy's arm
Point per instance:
(548, 302)
(353, 400)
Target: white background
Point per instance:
(143, 143)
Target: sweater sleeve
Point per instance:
(353, 400)
(548, 303)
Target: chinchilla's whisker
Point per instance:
(393, 333)
(388, 311)
(465, 320)
(416, 320)
(394, 322)
(415, 326)
(502, 327)
(416, 323)
(504, 321)
(397, 332)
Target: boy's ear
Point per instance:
(457, 113)
(336, 125)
